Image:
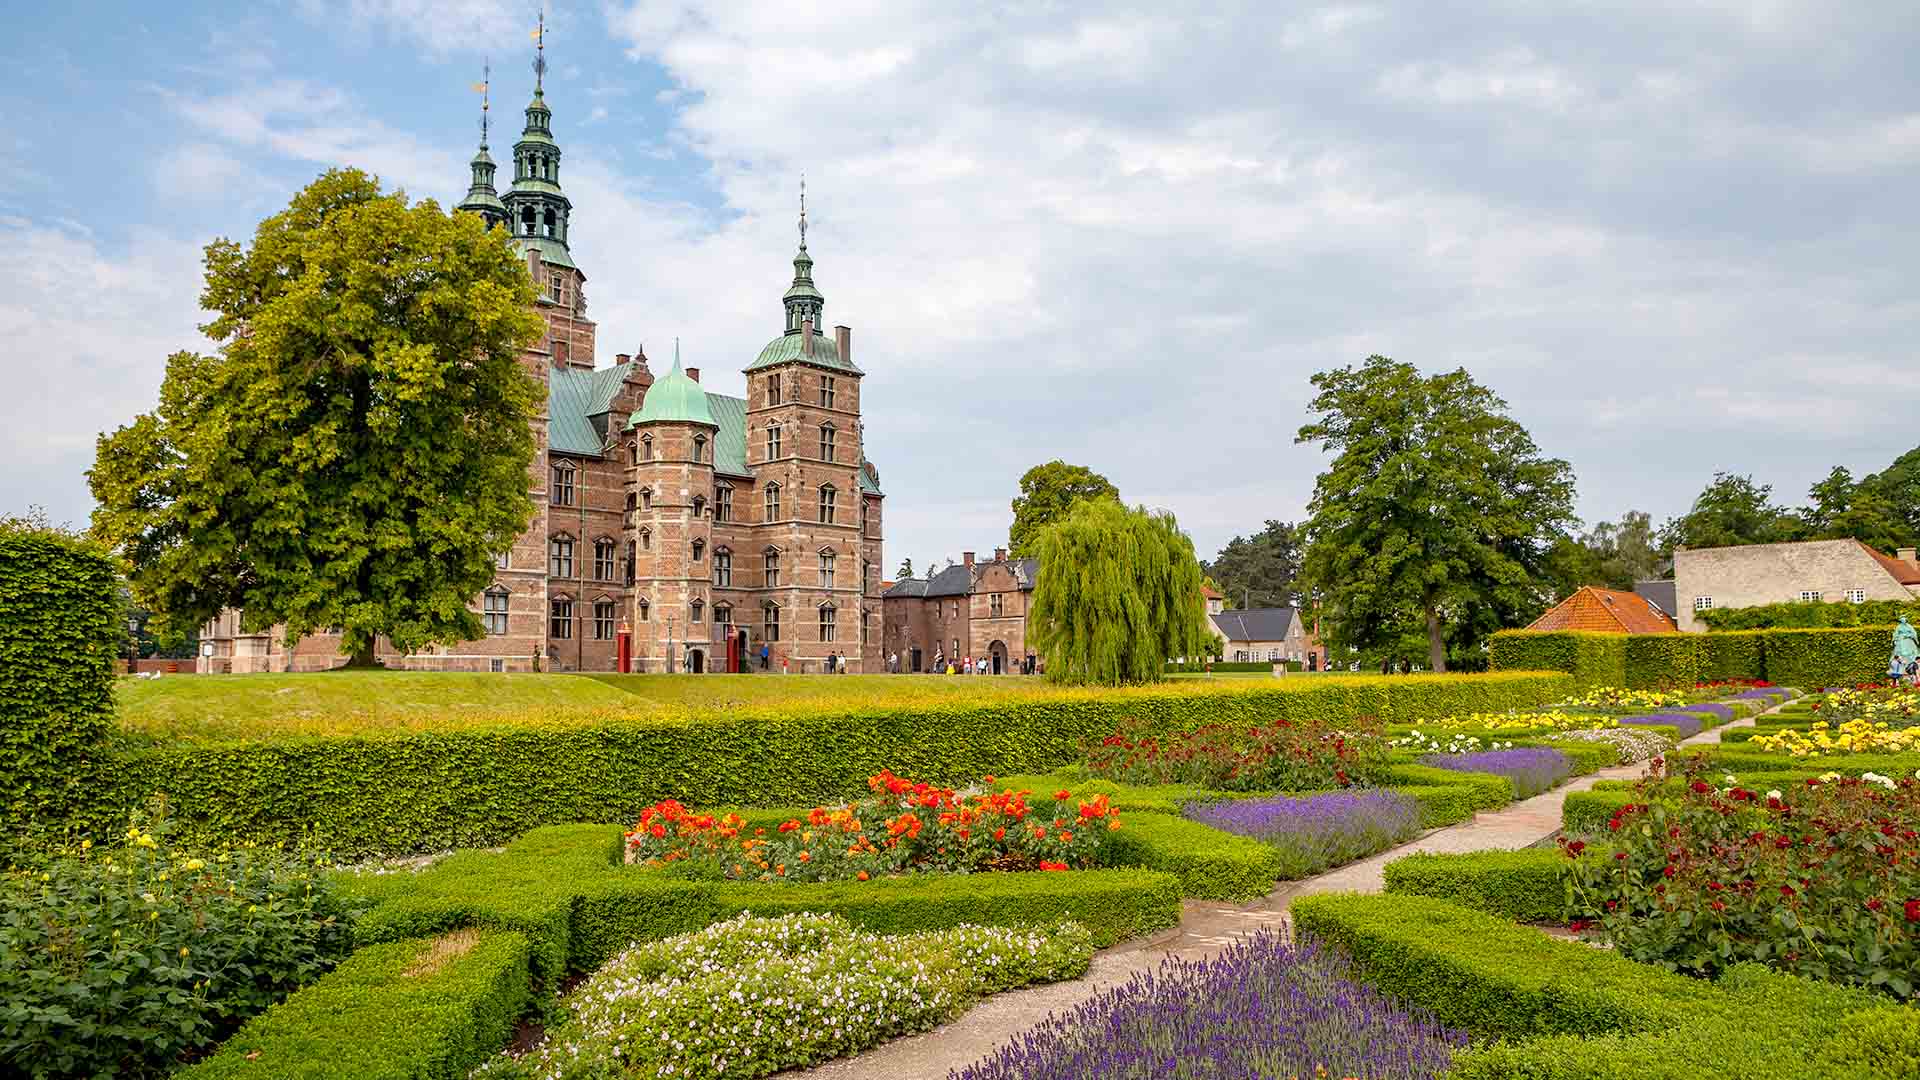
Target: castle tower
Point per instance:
(481, 197)
(675, 437)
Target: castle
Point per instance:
(702, 527)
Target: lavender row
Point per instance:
(1533, 769)
(1266, 1006)
(1687, 722)
(1317, 832)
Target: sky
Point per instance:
(1675, 238)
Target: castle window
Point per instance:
(697, 610)
(631, 559)
(560, 621)
(699, 549)
(723, 502)
(771, 562)
(646, 539)
(493, 608)
(773, 389)
(826, 442)
(603, 560)
(829, 616)
(560, 556)
(773, 503)
(723, 615)
(826, 504)
(826, 391)
(770, 622)
(501, 559)
(699, 448)
(646, 448)
(866, 577)
(863, 517)
(993, 605)
(699, 507)
(646, 498)
(603, 620)
(827, 561)
(646, 610)
(722, 568)
(563, 484)
(773, 441)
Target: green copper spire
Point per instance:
(536, 206)
(481, 197)
(674, 398)
(802, 299)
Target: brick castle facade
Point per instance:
(705, 526)
(974, 609)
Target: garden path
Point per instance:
(1206, 928)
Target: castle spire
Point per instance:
(537, 210)
(540, 53)
(481, 197)
(803, 301)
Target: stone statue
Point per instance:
(1906, 645)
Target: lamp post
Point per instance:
(669, 644)
(133, 643)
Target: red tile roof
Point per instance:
(1207, 591)
(1608, 611)
(1904, 572)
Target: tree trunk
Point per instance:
(362, 657)
(1436, 645)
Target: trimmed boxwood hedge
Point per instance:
(1787, 657)
(1209, 863)
(1527, 885)
(419, 1009)
(439, 790)
(1593, 659)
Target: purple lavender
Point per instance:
(1265, 1006)
(1688, 723)
(1533, 769)
(1724, 712)
(1315, 832)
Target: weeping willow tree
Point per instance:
(1119, 593)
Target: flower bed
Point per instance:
(1285, 755)
(1316, 832)
(1633, 745)
(1265, 1006)
(1553, 720)
(1852, 737)
(752, 996)
(905, 827)
(1687, 723)
(1421, 743)
(1820, 879)
(1533, 769)
(1896, 706)
(1620, 699)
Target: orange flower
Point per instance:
(989, 778)
(1066, 837)
(862, 875)
(806, 856)
(1112, 824)
(1063, 794)
(1000, 833)
(789, 826)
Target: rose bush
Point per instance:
(1285, 755)
(1820, 879)
(906, 826)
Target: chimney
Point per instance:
(843, 340)
(693, 373)
(1907, 554)
(967, 557)
(999, 554)
(806, 336)
(621, 358)
(533, 266)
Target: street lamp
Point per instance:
(669, 644)
(133, 643)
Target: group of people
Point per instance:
(836, 664)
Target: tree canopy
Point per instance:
(357, 452)
(1118, 595)
(1612, 554)
(1730, 511)
(1437, 508)
(1260, 570)
(1047, 493)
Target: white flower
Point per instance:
(1774, 794)
(1876, 778)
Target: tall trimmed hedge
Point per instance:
(60, 630)
(474, 788)
(1788, 657)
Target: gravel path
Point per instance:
(1206, 927)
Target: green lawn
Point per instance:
(715, 693)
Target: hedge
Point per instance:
(564, 887)
(1489, 792)
(1209, 863)
(1526, 886)
(420, 1009)
(470, 788)
(60, 630)
(1223, 665)
(1787, 657)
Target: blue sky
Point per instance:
(1676, 238)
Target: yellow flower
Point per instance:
(194, 864)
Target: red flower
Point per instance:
(1577, 846)
(1063, 795)
(1621, 855)
(789, 826)
(659, 831)
(1614, 824)
(1578, 925)
(1786, 890)
(1874, 904)
(1053, 866)
(1913, 911)
(862, 875)
(1000, 833)
(988, 778)
(1670, 870)
(1719, 905)
(1700, 787)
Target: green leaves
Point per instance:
(358, 449)
(1047, 494)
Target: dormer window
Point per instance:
(563, 484)
(699, 549)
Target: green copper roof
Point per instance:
(730, 444)
(551, 251)
(674, 398)
(786, 349)
(570, 401)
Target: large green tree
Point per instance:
(1898, 485)
(1261, 570)
(1837, 508)
(1118, 595)
(1612, 553)
(1047, 493)
(1731, 511)
(1437, 506)
(357, 451)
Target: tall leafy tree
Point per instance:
(1731, 511)
(1118, 594)
(1437, 507)
(1898, 486)
(1047, 493)
(357, 450)
(1838, 508)
(1260, 570)
(1614, 554)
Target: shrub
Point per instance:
(1489, 792)
(1622, 701)
(1807, 615)
(1686, 725)
(1852, 737)
(1526, 886)
(1265, 1006)
(1523, 722)
(1593, 659)
(905, 827)
(439, 790)
(1532, 769)
(60, 629)
(1209, 863)
(1281, 756)
(124, 960)
(425, 1009)
(752, 996)
(1807, 658)
(1316, 832)
(1820, 880)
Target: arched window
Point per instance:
(722, 568)
(770, 560)
(646, 498)
(826, 504)
(646, 609)
(646, 539)
(770, 621)
(603, 554)
(773, 502)
(699, 549)
(560, 556)
(723, 502)
(633, 507)
(563, 484)
(826, 442)
(493, 610)
(829, 618)
(773, 441)
(699, 506)
(699, 448)
(698, 611)
(646, 448)
(827, 561)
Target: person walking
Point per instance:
(764, 654)
(830, 660)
